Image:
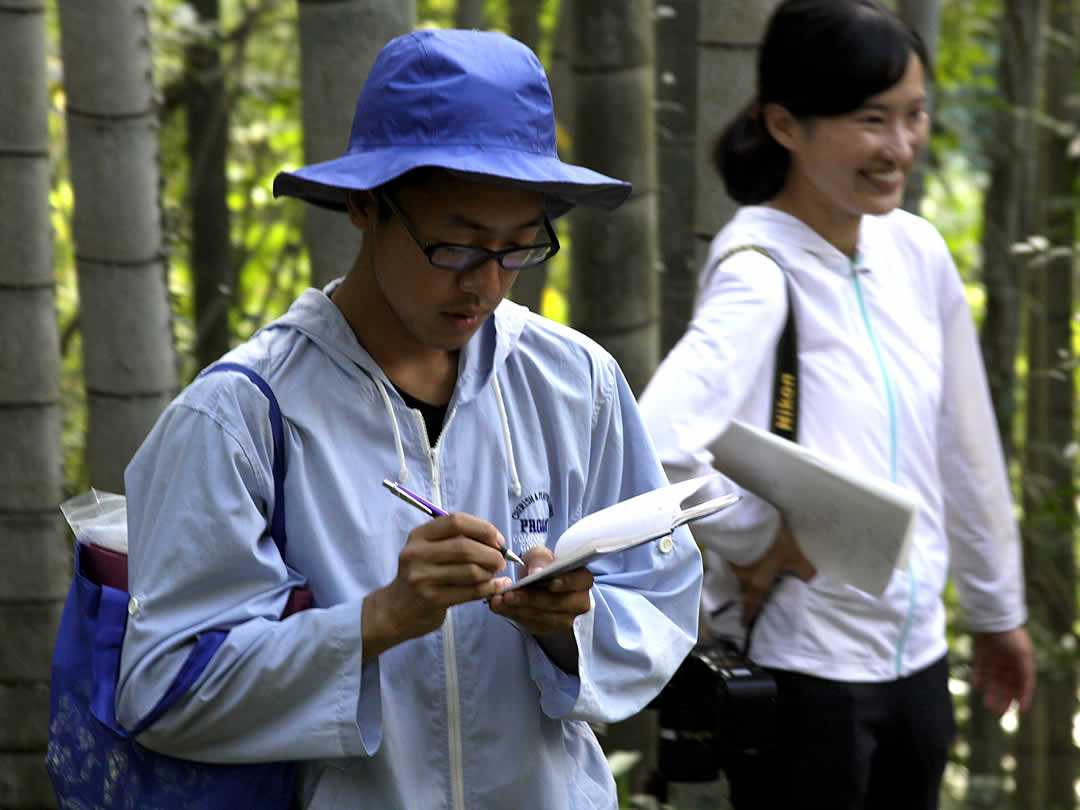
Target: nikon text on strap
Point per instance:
(785, 404)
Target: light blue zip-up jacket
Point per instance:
(891, 384)
(542, 429)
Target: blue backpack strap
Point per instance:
(209, 641)
(277, 520)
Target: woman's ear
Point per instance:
(780, 124)
(363, 208)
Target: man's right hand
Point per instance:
(446, 561)
(756, 579)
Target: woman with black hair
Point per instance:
(891, 383)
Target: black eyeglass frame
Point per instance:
(483, 254)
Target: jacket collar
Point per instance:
(790, 235)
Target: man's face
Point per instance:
(438, 308)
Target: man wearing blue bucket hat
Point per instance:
(417, 680)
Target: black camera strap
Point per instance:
(785, 407)
(719, 703)
(785, 402)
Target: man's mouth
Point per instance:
(467, 318)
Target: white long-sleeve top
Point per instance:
(891, 384)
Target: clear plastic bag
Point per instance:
(98, 518)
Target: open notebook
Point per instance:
(649, 516)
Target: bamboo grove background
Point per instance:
(139, 241)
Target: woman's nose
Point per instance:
(902, 143)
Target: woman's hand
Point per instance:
(756, 579)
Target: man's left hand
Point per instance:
(548, 606)
(547, 609)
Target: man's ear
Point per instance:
(781, 124)
(363, 208)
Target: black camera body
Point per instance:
(718, 703)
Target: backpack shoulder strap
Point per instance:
(209, 641)
(277, 519)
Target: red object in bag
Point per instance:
(103, 566)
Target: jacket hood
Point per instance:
(788, 237)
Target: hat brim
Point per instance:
(563, 184)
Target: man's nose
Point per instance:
(484, 280)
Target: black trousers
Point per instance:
(851, 746)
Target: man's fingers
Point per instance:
(537, 557)
(539, 611)
(453, 551)
(538, 601)
(447, 596)
(461, 524)
(580, 579)
(441, 576)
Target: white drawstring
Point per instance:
(514, 480)
(403, 472)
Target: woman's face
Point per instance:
(848, 165)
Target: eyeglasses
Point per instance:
(450, 256)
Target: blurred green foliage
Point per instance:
(260, 52)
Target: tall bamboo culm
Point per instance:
(36, 568)
(112, 133)
(339, 40)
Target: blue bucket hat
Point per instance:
(473, 102)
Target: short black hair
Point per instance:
(818, 58)
(414, 178)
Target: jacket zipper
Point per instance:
(453, 697)
(913, 583)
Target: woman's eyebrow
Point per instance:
(880, 106)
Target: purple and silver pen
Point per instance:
(431, 510)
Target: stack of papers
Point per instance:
(853, 527)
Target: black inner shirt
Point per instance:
(434, 415)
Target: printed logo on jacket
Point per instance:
(529, 521)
